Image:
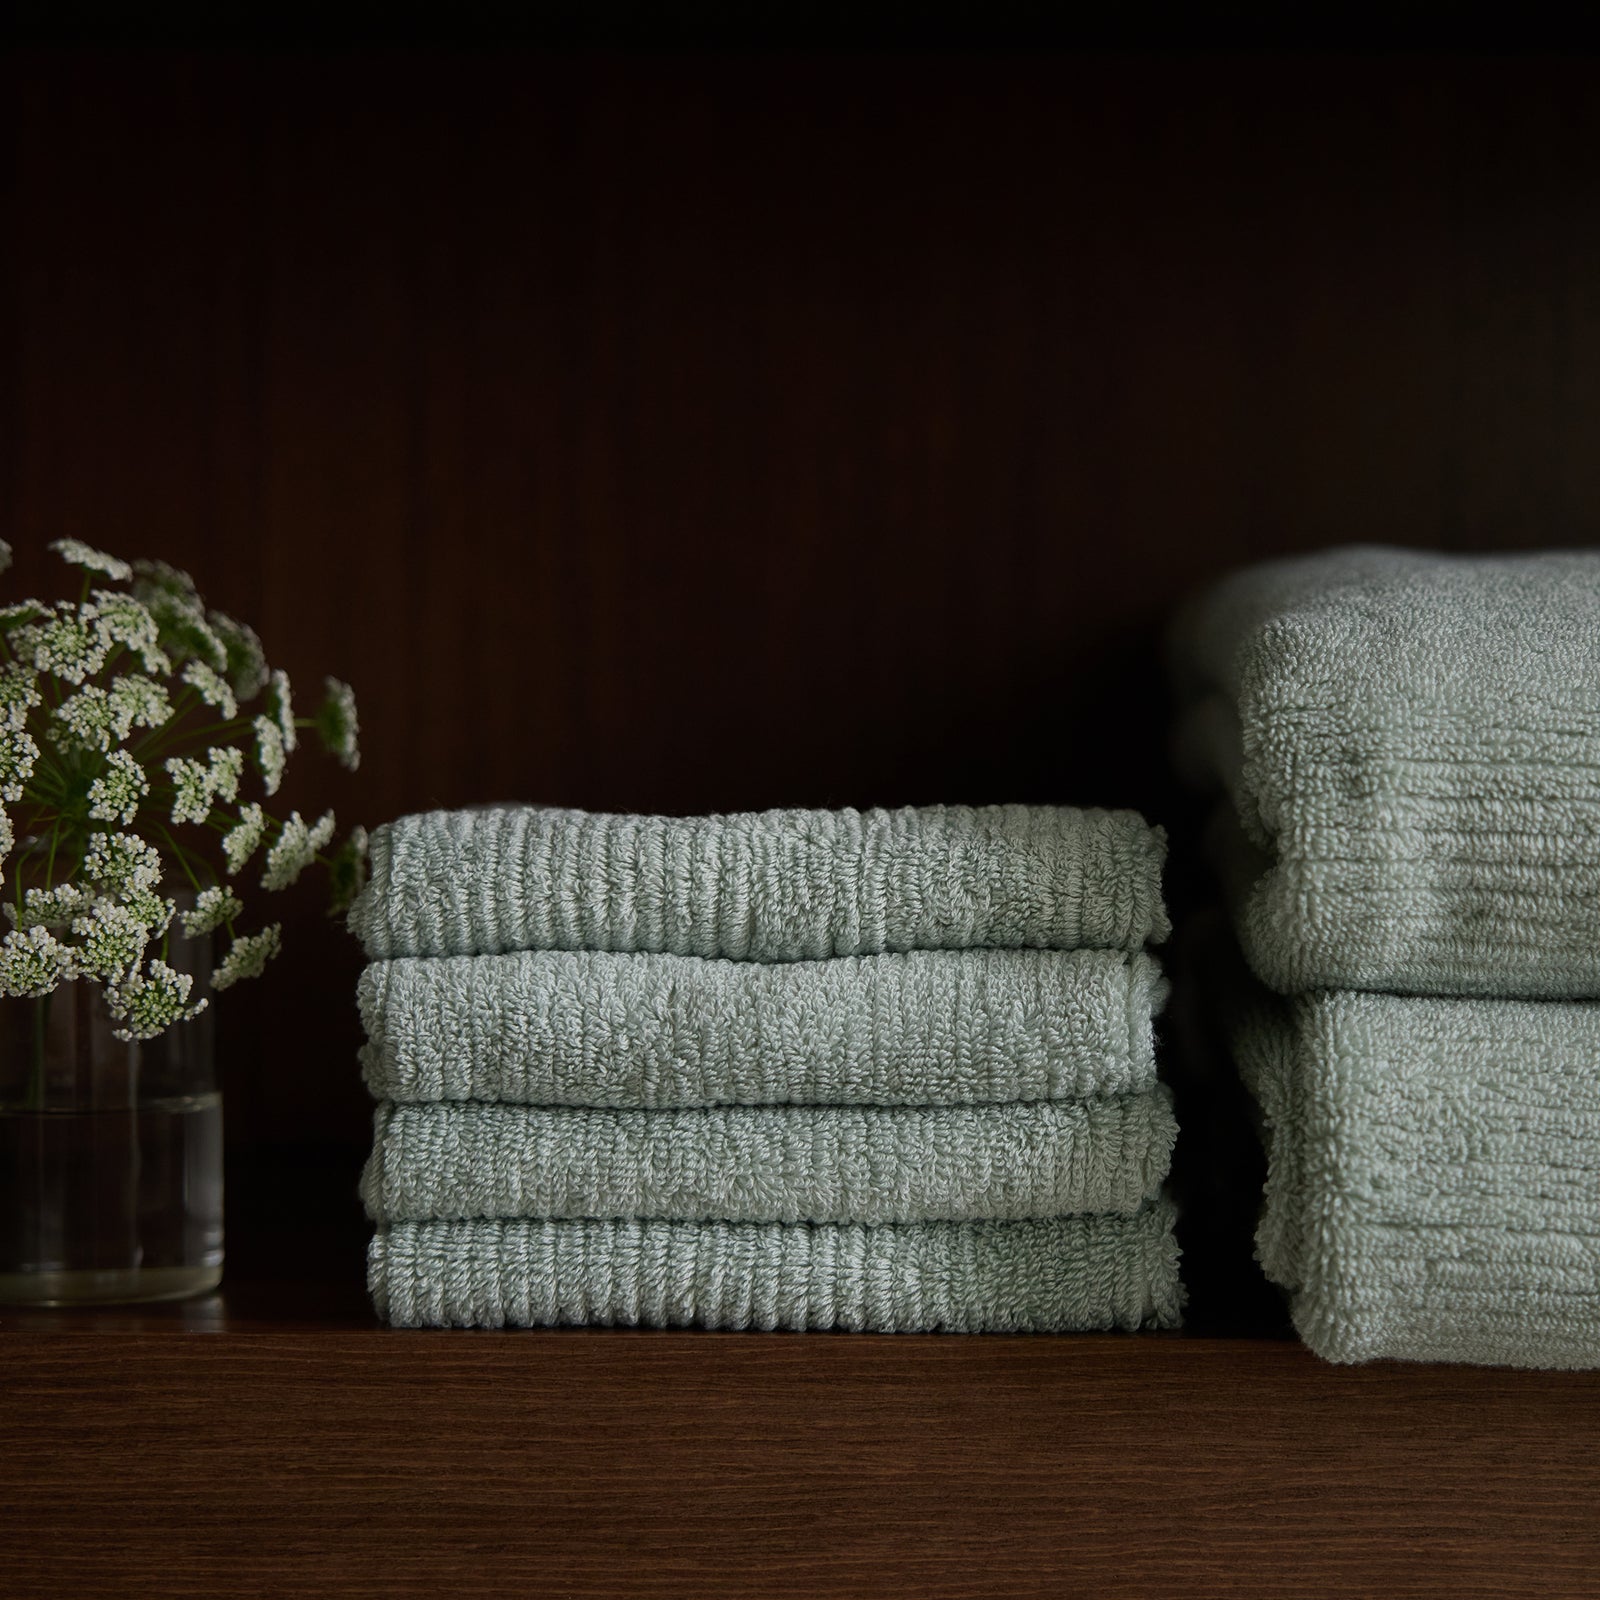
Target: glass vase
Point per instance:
(110, 1152)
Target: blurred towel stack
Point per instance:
(1407, 748)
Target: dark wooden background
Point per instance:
(705, 431)
(691, 431)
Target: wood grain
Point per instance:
(653, 1465)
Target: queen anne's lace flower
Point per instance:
(191, 789)
(295, 849)
(269, 753)
(336, 724)
(32, 962)
(212, 907)
(91, 718)
(280, 704)
(18, 753)
(13, 616)
(76, 682)
(239, 843)
(139, 702)
(173, 600)
(115, 795)
(125, 621)
(78, 554)
(247, 957)
(19, 694)
(66, 643)
(110, 939)
(213, 688)
(247, 662)
(196, 784)
(51, 908)
(224, 769)
(148, 1003)
(123, 862)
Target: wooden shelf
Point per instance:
(271, 1440)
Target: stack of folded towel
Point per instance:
(885, 1071)
(1410, 840)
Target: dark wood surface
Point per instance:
(362, 1462)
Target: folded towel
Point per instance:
(1074, 1274)
(768, 886)
(1412, 746)
(1432, 1192)
(926, 1028)
(769, 1164)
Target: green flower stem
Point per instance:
(181, 855)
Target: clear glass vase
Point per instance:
(110, 1152)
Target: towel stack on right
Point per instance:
(1409, 746)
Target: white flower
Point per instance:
(18, 753)
(213, 688)
(191, 789)
(123, 862)
(225, 767)
(240, 842)
(281, 706)
(212, 907)
(247, 663)
(90, 718)
(149, 908)
(51, 908)
(295, 849)
(22, 611)
(110, 939)
(197, 783)
(139, 702)
(115, 795)
(32, 962)
(175, 603)
(148, 1003)
(8, 839)
(336, 724)
(76, 553)
(128, 622)
(19, 694)
(67, 643)
(248, 957)
(269, 753)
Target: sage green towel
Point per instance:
(1075, 1274)
(1433, 1191)
(1411, 743)
(926, 1028)
(771, 1163)
(767, 886)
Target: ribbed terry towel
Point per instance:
(1412, 745)
(1434, 1175)
(1075, 1274)
(766, 886)
(926, 1028)
(769, 1164)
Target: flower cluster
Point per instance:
(129, 720)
